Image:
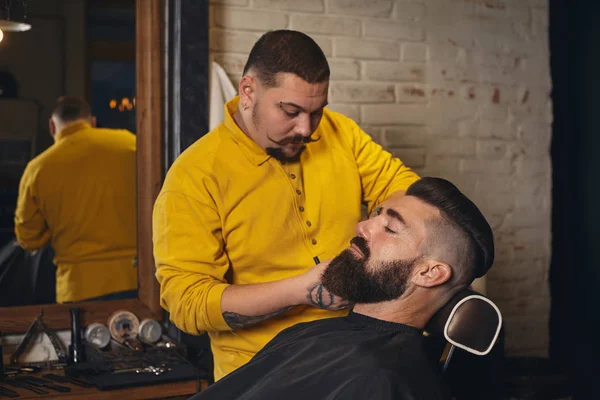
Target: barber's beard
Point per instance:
(278, 154)
(349, 277)
(275, 152)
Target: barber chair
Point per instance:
(464, 337)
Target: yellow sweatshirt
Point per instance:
(230, 214)
(80, 194)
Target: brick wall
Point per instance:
(455, 88)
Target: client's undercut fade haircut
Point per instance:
(69, 109)
(285, 51)
(462, 214)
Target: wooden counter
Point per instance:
(168, 389)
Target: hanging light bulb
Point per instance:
(1, 35)
(13, 17)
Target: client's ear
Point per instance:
(431, 273)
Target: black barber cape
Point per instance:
(354, 357)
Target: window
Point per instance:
(110, 33)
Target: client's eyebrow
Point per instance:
(396, 215)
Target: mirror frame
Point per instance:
(149, 111)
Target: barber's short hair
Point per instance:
(285, 51)
(69, 109)
(463, 214)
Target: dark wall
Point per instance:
(186, 72)
(575, 269)
(186, 116)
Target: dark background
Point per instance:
(575, 269)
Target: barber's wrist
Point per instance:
(299, 289)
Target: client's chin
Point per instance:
(342, 273)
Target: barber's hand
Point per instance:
(316, 294)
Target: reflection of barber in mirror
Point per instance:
(80, 194)
(406, 262)
(246, 209)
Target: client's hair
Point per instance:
(462, 229)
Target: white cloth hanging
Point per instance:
(221, 91)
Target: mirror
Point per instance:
(84, 49)
(148, 57)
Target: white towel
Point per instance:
(221, 91)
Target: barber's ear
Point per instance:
(247, 89)
(432, 273)
(51, 127)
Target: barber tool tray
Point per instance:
(121, 367)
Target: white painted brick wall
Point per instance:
(340, 26)
(363, 8)
(456, 88)
(361, 92)
(366, 49)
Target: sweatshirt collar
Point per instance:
(251, 149)
(70, 129)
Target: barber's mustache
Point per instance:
(362, 246)
(295, 140)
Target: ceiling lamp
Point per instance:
(13, 16)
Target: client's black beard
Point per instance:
(277, 153)
(347, 277)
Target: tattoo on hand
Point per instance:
(320, 297)
(238, 321)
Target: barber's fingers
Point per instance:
(344, 305)
(340, 304)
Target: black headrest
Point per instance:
(469, 321)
